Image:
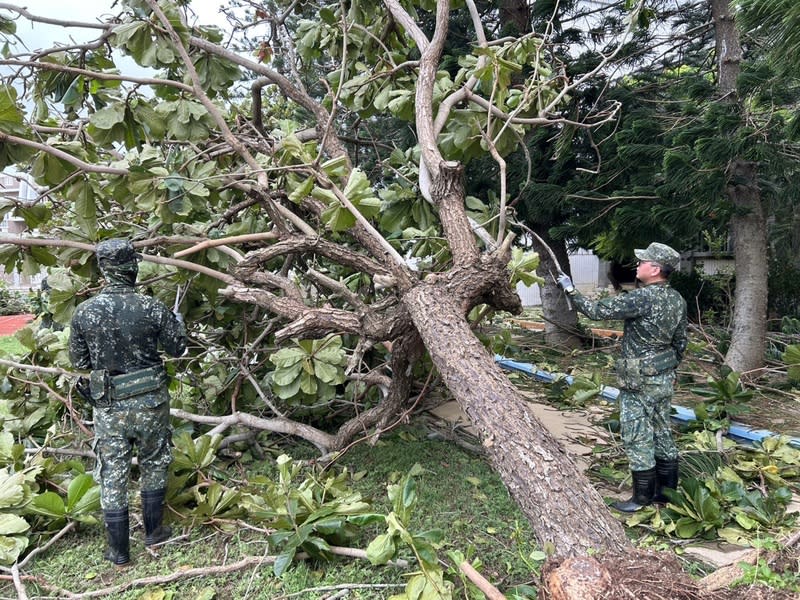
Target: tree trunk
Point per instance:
(560, 318)
(567, 514)
(515, 17)
(749, 229)
(749, 224)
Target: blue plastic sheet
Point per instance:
(737, 430)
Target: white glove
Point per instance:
(565, 283)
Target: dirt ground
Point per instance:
(649, 576)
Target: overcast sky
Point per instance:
(43, 36)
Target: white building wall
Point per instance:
(17, 187)
(588, 274)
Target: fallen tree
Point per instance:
(255, 209)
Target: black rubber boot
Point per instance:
(666, 477)
(118, 551)
(644, 488)
(153, 515)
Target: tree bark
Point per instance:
(567, 514)
(560, 318)
(749, 221)
(749, 229)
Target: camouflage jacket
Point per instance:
(120, 330)
(655, 319)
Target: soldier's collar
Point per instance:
(117, 288)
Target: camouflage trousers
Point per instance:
(117, 429)
(645, 422)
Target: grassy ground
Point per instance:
(9, 346)
(458, 493)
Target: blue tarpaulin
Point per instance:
(737, 430)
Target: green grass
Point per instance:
(9, 346)
(458, 493)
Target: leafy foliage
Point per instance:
(12, 303)
(28, 509)
(430, 581)
(791, 356)
(309, 371)
(737, 499)
(725, 398)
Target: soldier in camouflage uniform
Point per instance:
(116, 335)
(653, 342)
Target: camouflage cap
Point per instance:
(659, 253)
(116, 251)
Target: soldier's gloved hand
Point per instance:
(565, 283)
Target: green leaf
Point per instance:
(174, 183)
(328, 373)
(523, 267)
(83, 495)
(11, 547)
(285, 392)
(11, 117)
(338, 218)
(195, 454)
(299, 193)
(308, 384)
(287, 357)
(7, 26)
(409, 493)
(108, 117)
(792, 358)
(327, 16)
(6, 447)
(687, 528)
(286, 375)
(85, 208)
(330, 350)
(381, 550)
(48, 504)
(283, 561)
(12, 524)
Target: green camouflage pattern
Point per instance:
(115, 251)
(117, 429)
(655, 323)
(644, 417)
(654, 315)
(659, 253)
(120, 331)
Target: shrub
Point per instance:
(13, 303)
(708, 297)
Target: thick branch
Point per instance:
(337, 288)
(45, 66)
(319, 438)
(228, 241)
(38, 19)
(405, 353)
(307, 322)
(315, 245)
(448, 194)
